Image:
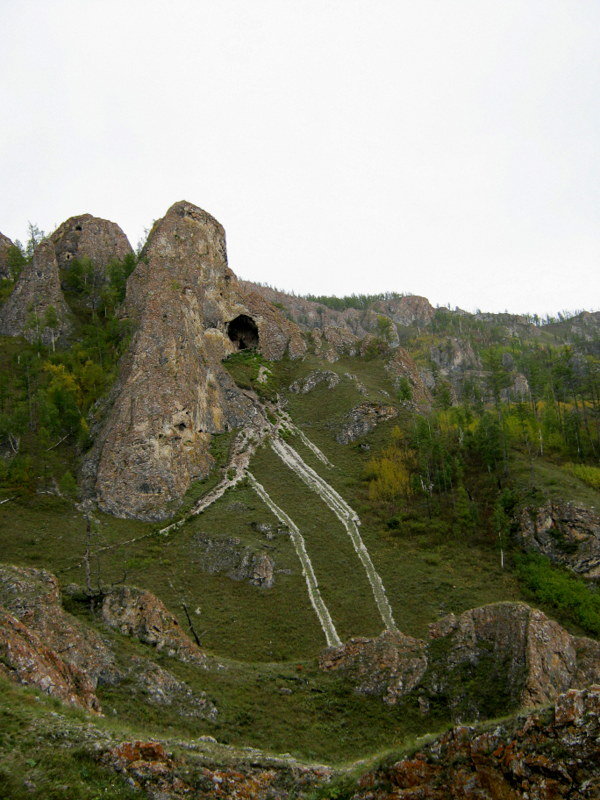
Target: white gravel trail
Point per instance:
(347, 516)
(331, 635)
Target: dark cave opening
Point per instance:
(243, 331)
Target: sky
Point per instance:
(446, 148)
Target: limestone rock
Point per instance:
(454, 355)
(33, 597)
(539, 756)
(362, 419)
(5, 245)
(481, 663)
(140, 614)
(567, 534)
(160, 687)
(26, 311)
(24, 658)
(389, 666)
(505, 652)
(314, 379)
(85, 236)
(400, 366)
(331, 343)
(173, 392)
(228, 555)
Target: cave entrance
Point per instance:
(243, 332)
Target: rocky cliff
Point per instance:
(37, 308)
(5, 245)
(173, 393)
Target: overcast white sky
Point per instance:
(449, 148)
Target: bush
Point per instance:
(556, 587)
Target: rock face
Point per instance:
(567, 534)
(389, 666)
(138, 613)
(363, 419)
(5, 245)
(25, 659)
(506, 650)
(173, 392)
(401, 366)
(28, 310)
(542, 757)
(481, 663)
(33, 597)
(229, 556)
(161, 688)
(85, 236)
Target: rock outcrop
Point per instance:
(315, 378)
(240, 563)
(481, 663)
(36, 308)
(24, 658)
(33, 597)
(87, 237)
(567, 534)
(362, 419)
(140, 614)
(5, 245)
(173, 392)
(541, 756)
(389, 666)
(402, 367)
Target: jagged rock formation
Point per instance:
(388, 666)
(408, 310)
(28, 310)
(542, 756)
(401, 366)
(5, 245)
(138, 613)
(227, 555)
(24, 658)
(160, 687)
(33, 597)
(499, 656)
(173, 392)
(567, 534)
(362, 419)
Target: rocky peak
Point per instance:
(173, 392)
(28, 310)
(85, 236)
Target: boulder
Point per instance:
(227, 555)
(315, 378)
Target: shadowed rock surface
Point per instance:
(229, 556)
(362, 420)
(173, 392)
